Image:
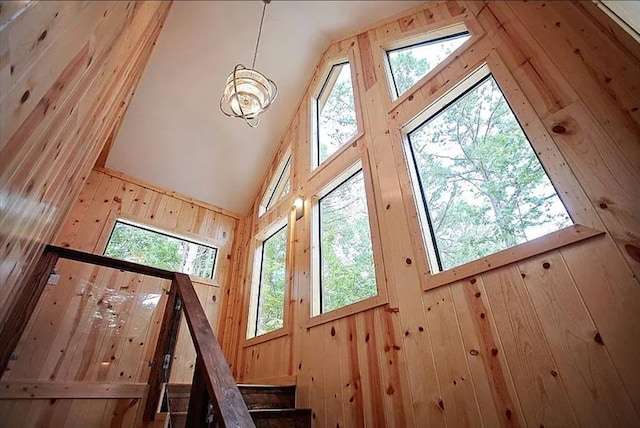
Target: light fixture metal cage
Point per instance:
(247, 94)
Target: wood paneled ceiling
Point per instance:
(174, 134)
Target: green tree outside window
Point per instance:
(483, 186)
(346, 256)
(147, 247)
(270, 312)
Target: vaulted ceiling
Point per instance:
(174, 134)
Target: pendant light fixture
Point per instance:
(247, 92)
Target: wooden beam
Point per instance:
(26, 302)
(20, 390)
(222, 388)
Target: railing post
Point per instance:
(198, 399)
(21, 311)
(231, 410)
(163, 355)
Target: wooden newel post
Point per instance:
(163, 356)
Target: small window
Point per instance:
(279, 187)
(282, 185)
(483, 188)
(271, 286)
(336, 112)
(411, 63)
(347, 273)
(149, 247)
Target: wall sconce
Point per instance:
(298, 205)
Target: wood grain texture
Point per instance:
(66, 342)
(67, 73)
(17, 320)
(515, 344)
(93, 412)
(547, 339)
(38, 390)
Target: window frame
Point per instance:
(449, 99)
(451, 32)
(317, 317)
(314, 116)
(160, 231)
(256, 279)
(493, 66)
(260, 285)
(281, 175)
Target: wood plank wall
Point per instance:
(550, 340)
(67, 73)
(101, 325)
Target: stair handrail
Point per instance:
(212, 378)
(211, 368)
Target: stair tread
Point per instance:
(254, 396)
(270, 406)
(175, 388)
(267, 411)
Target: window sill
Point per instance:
(361, 306)
(552, 241)
(206, 281)
(275, 334)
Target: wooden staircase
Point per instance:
(213, 384)
(269, 406)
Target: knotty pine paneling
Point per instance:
(67, 73)
(69, 413)
(101, 325)
(551, 340)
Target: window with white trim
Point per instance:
(152, 247)
(271, 271)
(479, 184)
(344, 254)
(335, 113)
(408, 64)
(280, 185)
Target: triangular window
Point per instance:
(279, 187)
(411, 63)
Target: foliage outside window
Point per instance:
(336, 112)
(148, 247)
(483, 187)
(347, 272)
(270, 310)
(411, 63)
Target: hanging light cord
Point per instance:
(255, 54)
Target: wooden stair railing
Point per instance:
(212, 379)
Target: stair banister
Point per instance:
(211, 375)
(230, 408)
